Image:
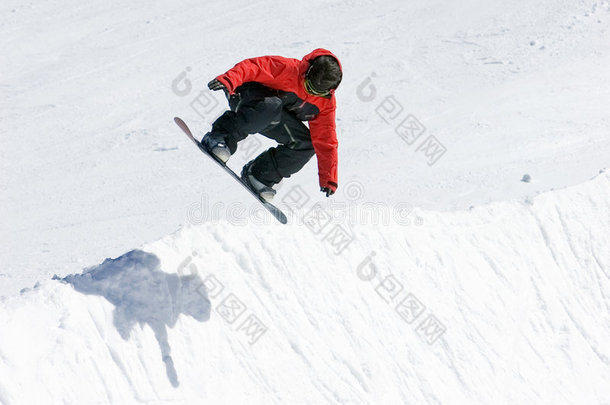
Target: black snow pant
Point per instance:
(258, 109)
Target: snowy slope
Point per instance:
(217, 313)
(495, 290)
(92, 165)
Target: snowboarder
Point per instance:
(273, 95)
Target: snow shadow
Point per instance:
(144, 294)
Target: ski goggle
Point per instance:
(313, 91)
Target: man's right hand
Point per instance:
(327, 190)
(215, 85)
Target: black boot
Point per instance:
(266, 193)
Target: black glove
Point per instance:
(327, 190)
(214, 85)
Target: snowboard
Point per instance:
(275, 211)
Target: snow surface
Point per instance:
(422, 281)
(505, 303)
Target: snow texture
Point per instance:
(436, 275)
(505, 303)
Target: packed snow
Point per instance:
(463, 260)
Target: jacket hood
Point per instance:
(314, 54)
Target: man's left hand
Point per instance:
(215, 85)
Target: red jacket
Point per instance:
(288, 75)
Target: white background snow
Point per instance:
(458, 283)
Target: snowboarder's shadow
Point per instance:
(142, 293)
